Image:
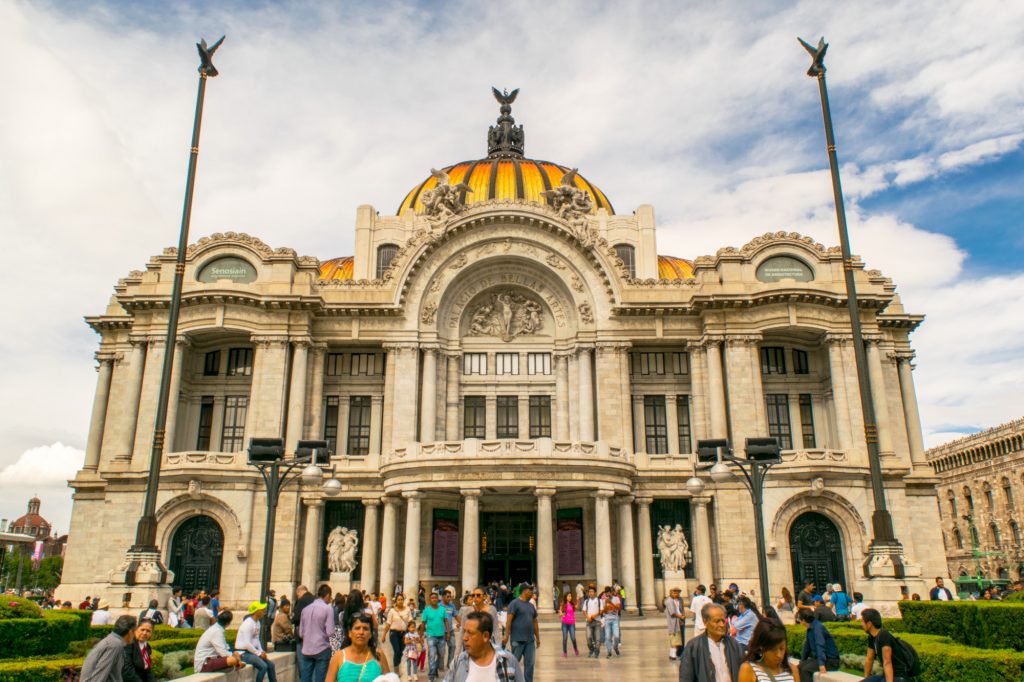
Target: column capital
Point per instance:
(701, 501)
(302, 342)
(313, 501)
(711, 340)
(271, 341)
(613, 346)
(544, 492)
(102, 356)
(644, 500)
(183, 341)
(743, 339)
(624, 500)
(318, 348)
(138, 341)
(412, 495)
(838, 338)
(371, 501)
(391, 501)
(582, 347)
(452, 354)
(470, 492)
(604, 494)
(401, 346)
(376, 399)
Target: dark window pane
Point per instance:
(628, 256)
(807, 421)
(474, 420)
(683, 415)
(540, 416)
(385, 254)
(205, 423)
(240, 362)
(211, 364)
(331, 423)
(233, 435)
(655, 424)
(773, 360)
(359, 425)
(334, 364)
(508, 416)
(800, 364)
(778, 419)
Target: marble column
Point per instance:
(586, 395)
(840, 399)
(315, 413)
(403, 425)
(297, 395)
(368, 571)
(702, 541)
(545, 551)
(672, 423)
(311, 545)
(130, 413)
(603, 538)
(174, 395)
(99, 411)
(646, 544)
(716, 390)
(561, 397)
(879, 397)
(470, 538)
(376, 415)
(411, 565)
(428, 397)
(627, 551)
(387, 546)
(910, 412)
(451, 416)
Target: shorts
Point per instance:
(214, 664)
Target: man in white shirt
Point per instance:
(591, 608)
(247, 643)
(212, 652)
(858, 605)
(480, 661)
(101, 616)
(697, 603)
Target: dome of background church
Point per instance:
(504, 179)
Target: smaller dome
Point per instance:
(337, 268)
(670, 267)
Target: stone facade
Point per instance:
(981, 491)
(410, 357)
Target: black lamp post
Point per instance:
(762, 454)
(268, 456)
(883, 541)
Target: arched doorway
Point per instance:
(196, 552)
(816, 551)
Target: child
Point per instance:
(412, 650)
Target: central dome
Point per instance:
(504, 179)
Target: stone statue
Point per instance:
(673, 547)
(341, 550)
(445, 200)
(506, 314)
(572, 205)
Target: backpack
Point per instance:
(910, 657)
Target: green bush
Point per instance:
(84, 620)
(51, 669)
(20, 637)
(18, 607)
(160, 632)
(176, 644)
(178, 664)
(1017, 596)
(942, 660)
(982, 624)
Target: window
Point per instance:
(1007, 492)
(627, 254)
(240, 362)
(205, 423)
(362, 364)
(538, 363)
(506, 363)
(648, 363)
(683, 415)
(800, 364)
(474, 363)
(993, 530)
(474, 422)
(952, 504)
(655, 424)
(385, 255)
(508, 416)
(773, 360)
(211, 364)
(359, 425)
(807, 420)
(990, 500)
(233, 437)
(958, 538)
(680, 363)
(970, 499)
(331, 423)
(540, 416)
(1015, 529)
(778, 419)
(335, 364)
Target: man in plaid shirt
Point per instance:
(480, 661)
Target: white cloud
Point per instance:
(44, 472)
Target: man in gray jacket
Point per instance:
(480, 656)
(104, 662)
(713, 656)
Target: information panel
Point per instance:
(446, 542)
(570, 541)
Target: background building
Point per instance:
(513, 382)
(981, 500)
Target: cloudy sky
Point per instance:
(701, 109)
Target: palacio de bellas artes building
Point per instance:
(512, 381)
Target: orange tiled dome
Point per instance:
(336, 268)
(670, 267)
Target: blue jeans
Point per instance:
(881, 678)
(314, 668)
(264, 669)
(611, 635)
(527, 651)
(569, 632)
(435, 654)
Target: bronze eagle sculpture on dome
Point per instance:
(206, 66)
(817, 55)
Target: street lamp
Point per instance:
(267, 455)
(762, 454)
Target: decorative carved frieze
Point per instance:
(506, 315)
(429, 313)
(586, 313)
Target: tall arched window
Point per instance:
(952, 503)
(627, 254)
(1015, 529)
(385, 254)
(1007, 492)
(990, 500)
(970, 499)
(959, 538)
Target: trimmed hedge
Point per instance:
(20, 637)
(159, 632)
(84, 620)
(982, 624)
(942, 660)
(18, 607)
(51, 669)
(174, 644)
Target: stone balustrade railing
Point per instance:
(537, 447)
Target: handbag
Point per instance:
(676, 639)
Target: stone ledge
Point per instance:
(287, 671)
(836, 676)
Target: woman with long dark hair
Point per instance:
(354, 606)
(767, 656)
(359, 659)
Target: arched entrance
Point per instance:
(816, 551)
(196, 553)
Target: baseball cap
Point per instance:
(257, 606)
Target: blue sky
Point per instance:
(701, 109)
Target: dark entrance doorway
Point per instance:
(196, 552)
(816, 550)
(507, 541)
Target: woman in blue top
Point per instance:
(360, 661)
(745, 620)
